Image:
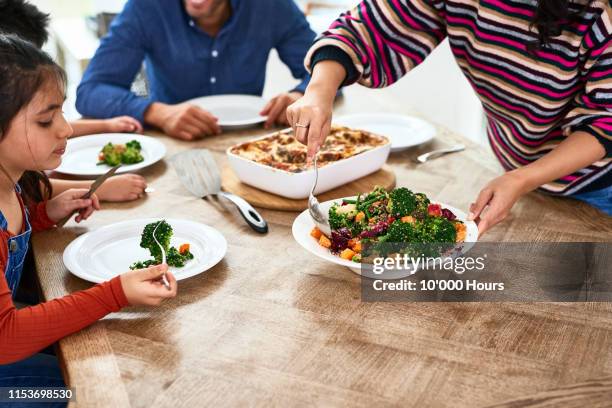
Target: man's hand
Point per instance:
(277, 107)
(183, 121)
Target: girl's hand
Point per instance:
(126, 187)
(310, 117)
(123, 124)
(498, 196)
(143, 287)
(70, 201)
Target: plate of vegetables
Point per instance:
(380, 217)
(94, 155)
(114, 154)
(191, 248)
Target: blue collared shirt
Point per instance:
(183, 62)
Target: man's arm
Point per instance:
(104, 91)
(294, 38)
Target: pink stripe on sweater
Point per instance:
(511, 78)
(507, 148)
(515, 44)
(516, 108)
(380, 43)
(413, 24)
(511, 9)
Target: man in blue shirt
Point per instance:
(193, 48)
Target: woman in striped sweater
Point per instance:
(542, 69)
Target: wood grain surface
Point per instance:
(384, 177)
(272, 326)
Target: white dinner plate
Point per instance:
(233, 110)
(303, 224)
(100, 255)
(403, 131)
(81, 156)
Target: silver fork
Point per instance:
(320, 218)
(164, 279)
(437, 153)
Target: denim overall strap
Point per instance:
(17, 250)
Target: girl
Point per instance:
(29, 23)
(542, 69)
(33, 135)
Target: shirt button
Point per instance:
(191, 23)
(213, 80)
(215, 53)
(14, 246)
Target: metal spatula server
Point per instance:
(199, 173)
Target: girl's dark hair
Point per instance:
(24, 69)
(551, 16)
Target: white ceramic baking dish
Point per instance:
(298, 185)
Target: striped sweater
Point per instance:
(532, 100)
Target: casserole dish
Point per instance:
(276, 162)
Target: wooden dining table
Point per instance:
(271, 325)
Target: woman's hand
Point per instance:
(125, 187)
(496, 199)
(310, 116)
(70, 201)
(123, 124)
(143, 287)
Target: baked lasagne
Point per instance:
(283, 151)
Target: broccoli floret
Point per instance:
(163, 234)
(401, 202)
(131, 156)
(134, 144)
(399, 236)
(108, 148)
(177, 259)
(341, 216)
(401, 232)
(111, 156)
(129, 153)
(436, 229)
(422, 202)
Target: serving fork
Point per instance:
(320, 217)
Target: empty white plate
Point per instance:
(81, 157)
(100, 255)
(233, 110)
(403, 131)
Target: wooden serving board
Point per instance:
(258, 198)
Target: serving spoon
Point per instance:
(320, 218)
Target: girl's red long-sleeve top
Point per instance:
(23, 332)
